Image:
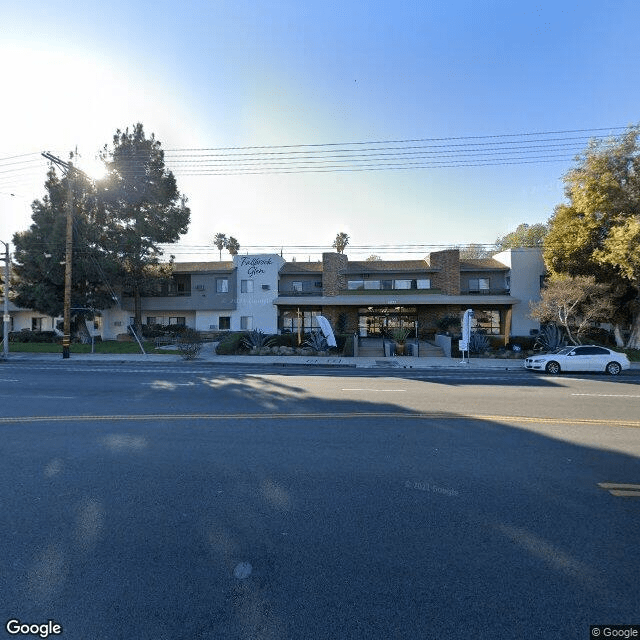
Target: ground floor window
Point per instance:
(224, 323)
(36, 324)
(487, 321)
(246, 323)
(304, 319)
(181, 320)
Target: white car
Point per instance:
(581, 358)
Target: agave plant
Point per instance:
(550, 338)
(478, 342)
(316, 341)
(400, 335)
(256, 339)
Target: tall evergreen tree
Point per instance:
(142, 208)
(40, 251)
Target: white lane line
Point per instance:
(606, 395)
(376, 390)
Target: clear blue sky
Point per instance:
(227, 74)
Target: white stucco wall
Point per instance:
(262, 270)
(114, 321)
(21, 319)
(527, 268)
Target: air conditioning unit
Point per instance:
(199, 287)
(213, 327)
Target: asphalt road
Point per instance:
(203, 502)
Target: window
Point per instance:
(36, 324)
(246, 323)
(306, 320)
(246, 286)
(479, 285)
(180, 320)
(386, 284)
(424, 283)
(296, 285)
(222, 285)
(224, 323)
(372, 284)
(354, 285)
(402, 284)
(487, 321)
(152, 320)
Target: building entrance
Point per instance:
(379, 321)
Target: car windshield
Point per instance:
(565, 351)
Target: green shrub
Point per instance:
(189, 344)
(526, 343)
(232, 343)
(285, 340)
(26, 335)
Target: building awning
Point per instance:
(390, 300)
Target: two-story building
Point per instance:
(371, 297)
(263, 291)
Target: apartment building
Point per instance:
(263, 291)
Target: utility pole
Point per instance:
(5, 317)
(70, 172)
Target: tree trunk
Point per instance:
(634, 339)
(617, 335)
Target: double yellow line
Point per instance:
(156, 417)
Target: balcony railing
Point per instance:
(485, 292)
(291, 294)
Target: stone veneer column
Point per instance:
(334, 268)
(448, 278)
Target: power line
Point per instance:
(376, 155)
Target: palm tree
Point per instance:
(233, 246)
(220, 241)
(341, 242)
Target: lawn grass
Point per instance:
(108, 346)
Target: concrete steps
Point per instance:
(372, 348)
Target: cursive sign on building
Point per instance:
(254, 265)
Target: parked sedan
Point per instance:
(582, 358)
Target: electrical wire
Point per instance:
(376, 155)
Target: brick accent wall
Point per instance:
(334, 269)
(429, 316)
(447, 279)
(332, 314)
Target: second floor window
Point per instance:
(479, 284)
(246, 286)
(296, 285)
(222, 285)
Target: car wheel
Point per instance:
(613, 368)
(552, 367)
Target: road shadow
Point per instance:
(254, 508)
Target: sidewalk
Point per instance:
(208, 357)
